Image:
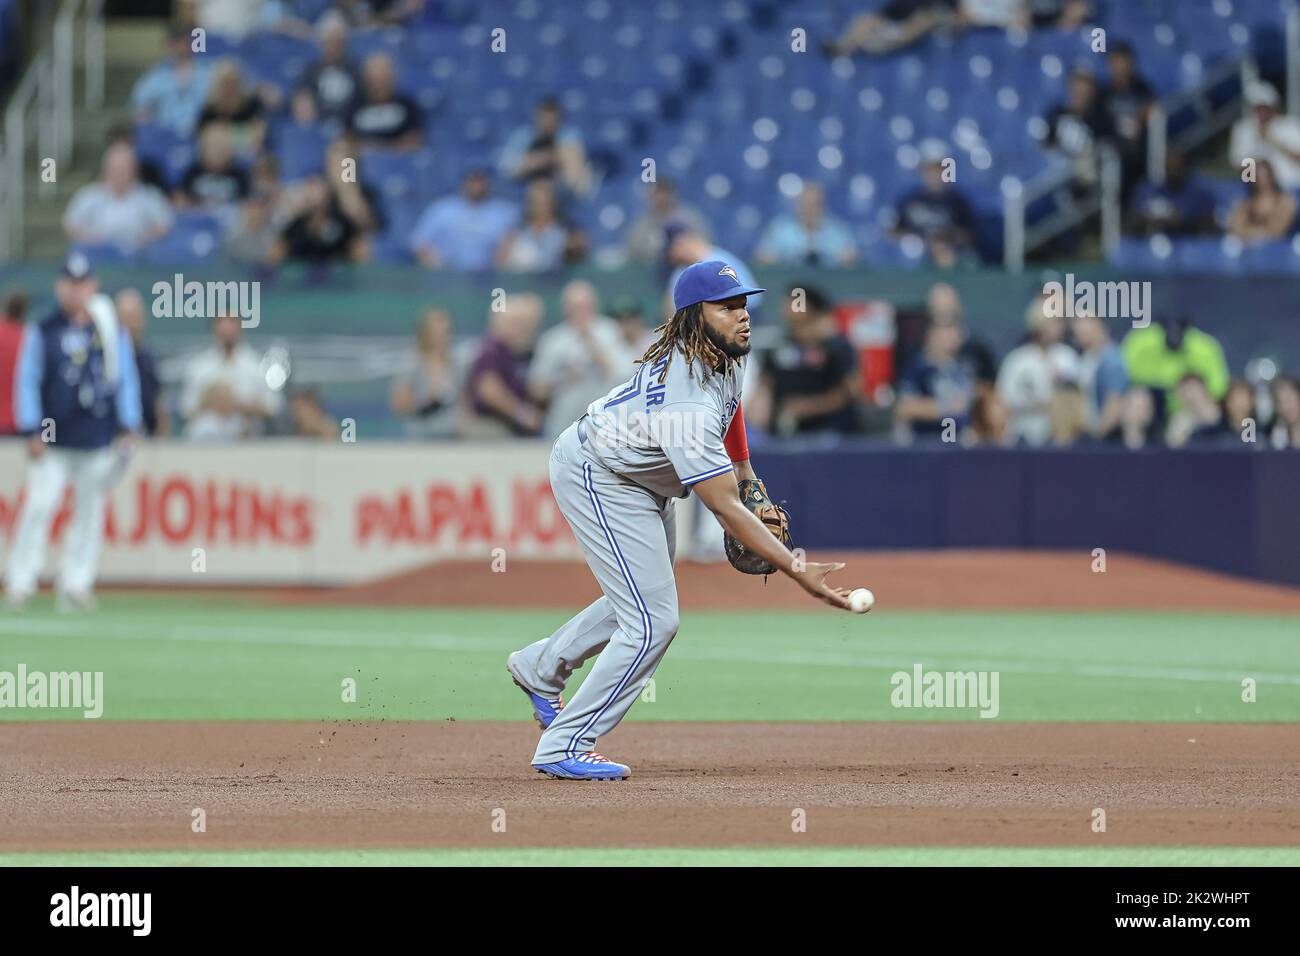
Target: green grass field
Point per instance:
(217, 657)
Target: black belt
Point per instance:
(582, 431)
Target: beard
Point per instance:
(732, 350)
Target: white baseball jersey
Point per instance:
(665, 435)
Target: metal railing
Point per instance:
(1074, 206)
(41, 112)
(1210, 119)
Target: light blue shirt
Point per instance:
(166, 100)
(464, 235)
(786, 240)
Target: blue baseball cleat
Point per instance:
(588, 766)
(545, 709)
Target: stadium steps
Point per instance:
(130, 47)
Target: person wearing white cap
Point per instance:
(1265, 133)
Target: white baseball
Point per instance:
(861, 600)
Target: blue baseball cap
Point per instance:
(77, 266)
(710, 281)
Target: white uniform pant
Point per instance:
(91, 473)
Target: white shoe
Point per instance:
(73, 601)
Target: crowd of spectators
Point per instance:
(515, 211)
(1069, 381)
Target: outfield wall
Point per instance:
(288, 512)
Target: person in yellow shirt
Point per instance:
(1160, 355)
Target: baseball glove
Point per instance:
(754, 496)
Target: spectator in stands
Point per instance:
(463, 232)
(1138, 421)
(1031, 373)
(384, 117)
(808, 380)
(548, 150)
(1127, 101)
(239, 18)
(131, 313)
(117, 210)
(936, 212)
(645, 237)
(1180, 206)
(13, 313)
(578, 360)
(1077, 126)
(936, 394)
(943, 304)
(988, 420)
(214, 180)
(1199, 419)
(1266, 134)
(332, 225)
(146, 170)
(1060, 14)
(1284, 431)
(1161, 354)
(543, 240)
(172, 92)
(309, 417)
(426, 394)
(498, 403)
(262, 215)
(332, 82)
(809, 237)
(897, 24)
(1101, 375)
(1239, 407)
(1068, 415)
(628, 312)
(1265, 213)
(383, 13)
(243, 111)
(224, 395)
(1004, 14)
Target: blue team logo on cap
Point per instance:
(728, 271)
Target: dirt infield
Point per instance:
(931, 580)
(90, 785)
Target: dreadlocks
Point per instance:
(685, 329)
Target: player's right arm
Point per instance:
(719, 496)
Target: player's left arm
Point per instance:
(737, 445)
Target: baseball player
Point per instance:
(676, 425)
(76, 388)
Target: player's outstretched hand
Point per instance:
(813, 580)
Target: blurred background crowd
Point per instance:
(331, 133)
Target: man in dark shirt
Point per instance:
(806, 380)
(1180, 206)
(153, 409)
(897, 24)
(1076, 126)
(214, 179)
(1127, 100)
(385, 117)
(333, 80)
(495, 388)
(936, 390)
(937, 213)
